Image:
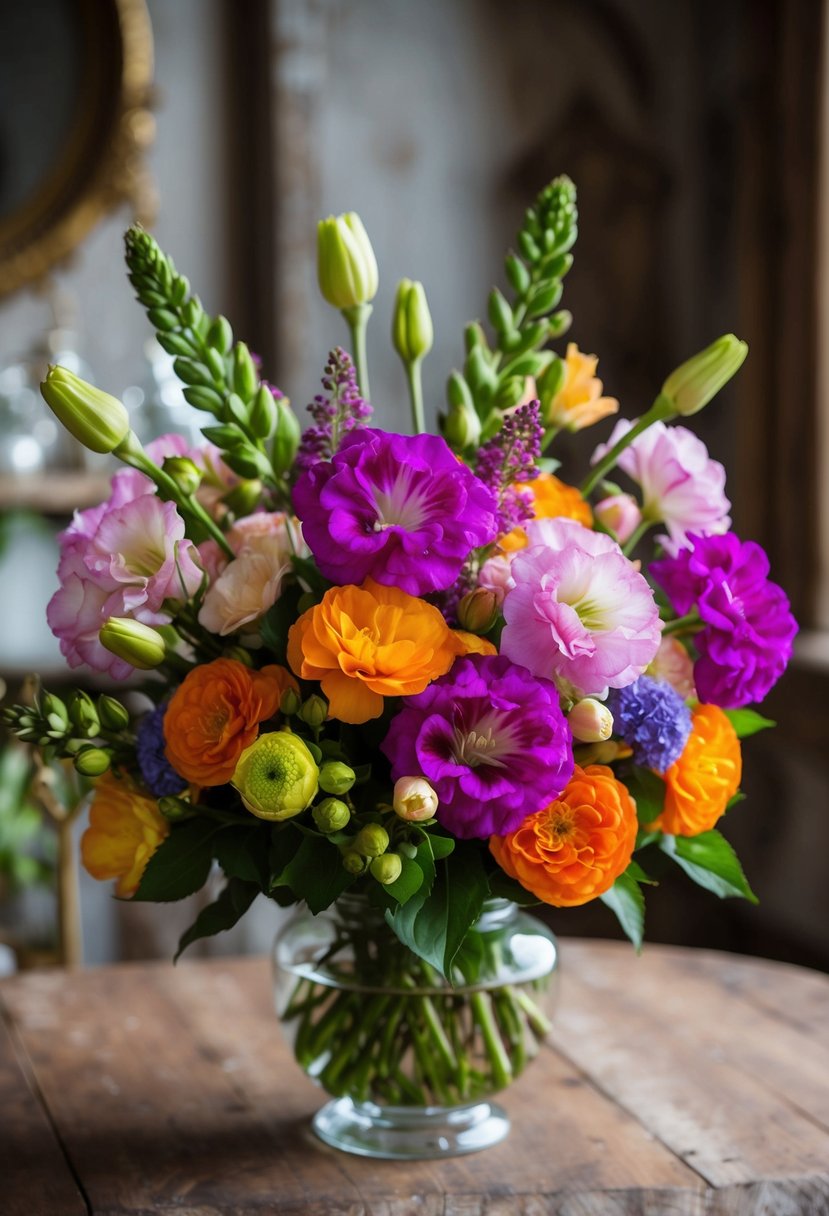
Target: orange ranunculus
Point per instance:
(707, 774)
(125, 829)
(215, 714)
(576, 848)
(552, 499)
(366, 643)
(579, 401)
(471, 643)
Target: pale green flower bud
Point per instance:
(84, 715)
(112, 713)
(371, 841)
(314, 711)
(92, 762)
(414, 799)
(55, 711)
(461, 427)
(239, 653)
(590, 721)
(412, 333)
(336, 777)
(287, 433)
(139, 645)
(174, 810)
(185, 473)
(290, 702)
(97, 420)
(244, 497)
(331, 815)
(353, 862)
(276, 776)
(386, 869)
(346, 266)
(701, 377)
(245, 378)
(478, 610)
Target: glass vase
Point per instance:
(410, 1060)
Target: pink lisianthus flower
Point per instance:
(75, 615)
(245, 588)
(621, 514)
(681, 485)
(579, 613)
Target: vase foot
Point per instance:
(404, 1132)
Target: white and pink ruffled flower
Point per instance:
(579, 612)
(681, 485)
(244, 589)
(621, 514)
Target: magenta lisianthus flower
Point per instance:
(490, 739)
(396, 508)
(681, 485)
(748, 627)
(579, 613)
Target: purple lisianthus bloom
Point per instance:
(748, 628)
(491, 740)
(653, 718)
(160, 778)
(396, 508)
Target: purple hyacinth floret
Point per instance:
(336, 411)
(748, 628)
(509, 458)
(491, 740)
(160, 778)
(653, 719)
(400, 509)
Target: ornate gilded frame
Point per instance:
(103, 160)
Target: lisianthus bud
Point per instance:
(414, 799)
(336, 777)
(184, 472)
(174, 810)
(621, 514)
(590, 721)
(97, 420)
(353, 862)
(371, 841)
(277, 776)
(112, 713)
(290, 702)
(331, 815)
(696, 381)
(478, 610)
(346, 266)
(286, 436)
(139, 645)
(84, 715)
(461, 427)
(386, 869)
(314, 711)
(92, 762)
(412, 334)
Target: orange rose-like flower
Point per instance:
(707, 774)
(366, 643)
(125, 829)
(215, 714)
(576, 848)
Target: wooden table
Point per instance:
(682, 1082)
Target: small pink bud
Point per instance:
(621, 514)
(590, 721)
(414, 799)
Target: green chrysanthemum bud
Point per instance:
(478, 610)
(139, 645)
(112, 713)
(185, 473)
(353, 862)
(276, 776)
(371, 841)
(701, 377)
(97, 420)
(290, 702)
(336, 777)
(346, 266)
(412, 333)
(461, 427)
(314, 711)
(387, 868)
(331, 815)
(286, 436)
(84, 715)
(92, 762)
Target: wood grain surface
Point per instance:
(683, 1082)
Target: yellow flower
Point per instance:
(578, 402)
(125, 829)
(552, 499)
(470, 643)
(277, 776)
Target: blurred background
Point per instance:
(696, 133)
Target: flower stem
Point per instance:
(690, 623)
(356, 319)
(415, 383)
(661, 410)
(635, 537)
(501, 1067)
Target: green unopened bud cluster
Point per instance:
(78, 729)
(367, 852)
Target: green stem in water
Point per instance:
(501, 1067)
(356, 319)
(661, 410)
(415, 383)
(683, 624)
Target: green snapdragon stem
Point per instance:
(416, 395)
(661, 410)
(356, 319)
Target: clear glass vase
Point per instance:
(410, 1060)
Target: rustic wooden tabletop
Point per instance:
(682, 1082)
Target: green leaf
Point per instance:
(501, 886)
(243, 853)
(636, 872)
(626, 900)
(316, 874)
(735, 799)
(278, 620)
(222, 914)
(442, 846)
(711, 862)
(306, 569)
(181, 863)
(747, 721)
(409, 882)
(648, 792)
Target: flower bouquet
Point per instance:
(410, 682)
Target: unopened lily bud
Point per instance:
(386, 869)
(414, 799)
(175, 809)
(346, 266)
(97, 420)
(336, 777)
(412, 333)
(331, 815)
(290, 702)
(113, 715)
(478, 610)
(314, 711)
(353, 862)
(286, 436)
(590, 721)
(701, 377)
(139, 645)
(461, 427)
(185, 473)
(371, 841)
(621, 514)
(84, 715)
(92, 762)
